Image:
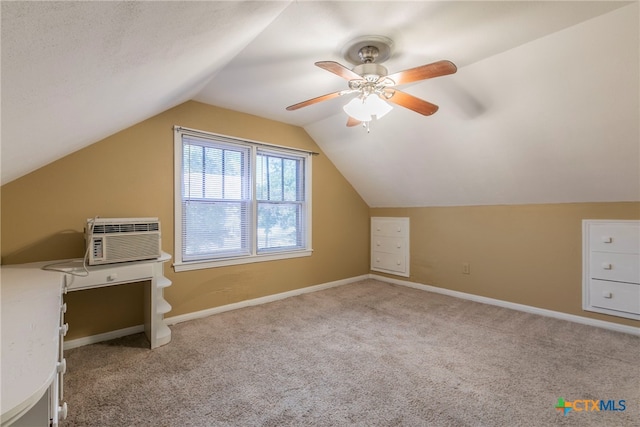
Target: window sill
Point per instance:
(199, 265)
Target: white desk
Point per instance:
(33, 327)
(128, 272)
(31, 344)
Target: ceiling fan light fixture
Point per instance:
(377, 106)
(363, 109)
(356, 109)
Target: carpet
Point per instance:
(364, 354)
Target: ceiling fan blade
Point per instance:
(351, 122)
(315, 100)
(436, 69)
(339, 70)
(405, 100)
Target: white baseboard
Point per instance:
(93, 339)
(262, 300)
(513, 306)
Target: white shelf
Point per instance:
(163, 282)
(163, 307)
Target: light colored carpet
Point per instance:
(365, 354)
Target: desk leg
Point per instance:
(148, 310)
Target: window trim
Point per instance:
(254, 256)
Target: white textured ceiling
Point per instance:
(544, 107)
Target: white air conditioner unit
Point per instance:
(112, 240)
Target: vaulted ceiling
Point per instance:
(544, 108)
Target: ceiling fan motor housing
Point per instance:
(370, 71)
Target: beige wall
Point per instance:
(528, 254)
(130, 174)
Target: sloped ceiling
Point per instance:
(544, 106)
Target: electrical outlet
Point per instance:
(466, 269)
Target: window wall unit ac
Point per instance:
(112, 240)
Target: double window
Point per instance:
(239, 201)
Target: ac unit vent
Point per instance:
(127, 227)
(123, 239)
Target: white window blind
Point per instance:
(216, 200)
(239, 201)
(280, 196)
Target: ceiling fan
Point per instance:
(374, 85)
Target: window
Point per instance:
(239, 201)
